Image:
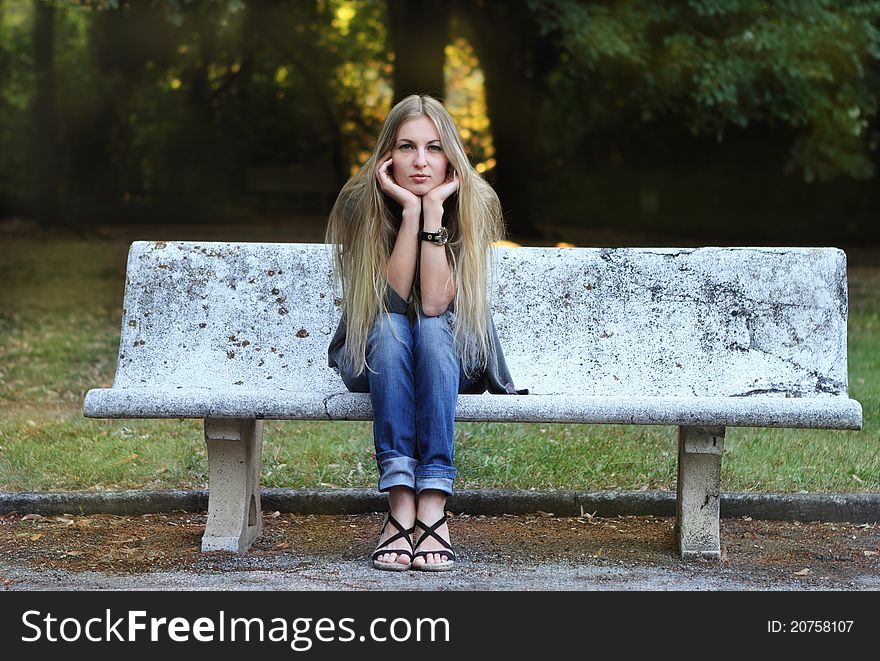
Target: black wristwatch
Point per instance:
(439, 238)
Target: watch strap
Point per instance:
(439, 237)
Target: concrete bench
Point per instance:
(705, 339)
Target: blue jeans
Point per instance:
(414, 377)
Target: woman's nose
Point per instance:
(421, 159)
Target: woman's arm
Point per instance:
(435, 276)
(402, 261)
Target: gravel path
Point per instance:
(527, 552)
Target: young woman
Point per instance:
(410, 233)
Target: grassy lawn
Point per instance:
(60, 302)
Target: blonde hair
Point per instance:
(363, 226)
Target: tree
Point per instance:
(419, 34)
(807, 65)
(45, 124)
(513, 57)
(515, 60)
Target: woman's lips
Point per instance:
(420, 178)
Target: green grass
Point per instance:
(59, 333)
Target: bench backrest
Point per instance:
(578, 321)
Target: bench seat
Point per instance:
(813, 413)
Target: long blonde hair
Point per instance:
(363, 226)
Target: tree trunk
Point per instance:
(45, 125)
(513, 58)
(419, 33)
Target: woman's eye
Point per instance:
(435, 148)
(405, 147)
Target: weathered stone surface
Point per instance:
(825, 413)
(699, 491)
(234, 454)
(726, 336)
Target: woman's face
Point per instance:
(419, 162)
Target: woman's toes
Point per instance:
(393, 557)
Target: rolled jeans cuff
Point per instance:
(435, 477)
(396, 471)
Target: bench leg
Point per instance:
(699, 491)
(234, 454)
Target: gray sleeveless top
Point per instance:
(495, 378)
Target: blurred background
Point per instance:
(709, 120)
(631, 123)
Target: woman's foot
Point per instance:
(433, 548)
(402, 506)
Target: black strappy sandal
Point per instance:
(446, 565)
(402, 533)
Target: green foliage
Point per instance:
(162, 106)
(359, 80)
(16, 84)
(809, 65)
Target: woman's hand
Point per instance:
(436, 196)
(408, 200)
